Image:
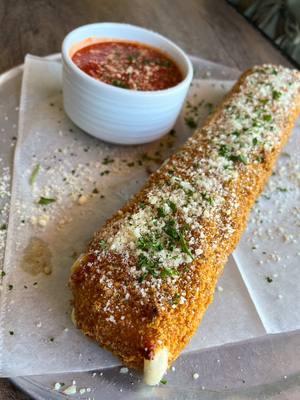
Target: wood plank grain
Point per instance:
(207, 28)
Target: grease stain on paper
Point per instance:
(37, 257)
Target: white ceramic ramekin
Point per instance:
(119, 115)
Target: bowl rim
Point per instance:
(141, 93)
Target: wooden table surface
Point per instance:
(207, 28)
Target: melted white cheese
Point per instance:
(155, 369)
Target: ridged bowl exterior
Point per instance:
(118, 115)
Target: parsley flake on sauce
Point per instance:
(120, 84)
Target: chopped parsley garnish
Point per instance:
(190, 122)
(172, 206)
(44, 201)
(166, 272)
(184, 246)
(11, 333)
(276, 95)
(260, 159)
(107, 160)
(10, 287)
(146, 157)
(34, 174)
(176, 298)
(150, 266)
(189, 192)
(103, 244)
(268, 279)
(267, 117)
(281, 189)
(3, 274)
(164, 63)
(239, 157)
(266, 196)
(161, 212)
(254, 141)
(176, 236)
(207, 198)
(3, 227)
(209, 106)
(147, 243)
(171, 230)
(263, 101)
(164, 381)
(225, 152)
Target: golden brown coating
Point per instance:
(150, 273)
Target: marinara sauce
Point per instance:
(128, 65)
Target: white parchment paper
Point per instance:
(88, 180)
(268, 255)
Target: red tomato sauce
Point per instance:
(128, 65)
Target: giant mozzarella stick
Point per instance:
(148, 276)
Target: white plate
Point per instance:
(240, 371)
